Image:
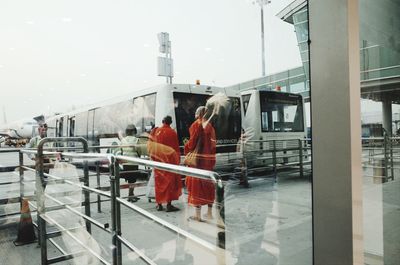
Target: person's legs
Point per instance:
(198, 213)
(171, 208)
(131, 178)
(209, 212)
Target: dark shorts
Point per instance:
(130, 177)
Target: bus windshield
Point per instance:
(281, 112)
(227, 124)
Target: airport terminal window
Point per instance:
(258, 211)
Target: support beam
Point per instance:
(336, 132)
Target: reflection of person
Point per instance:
(129, 141)
(163, 147)
(202, 140)
(34, 142)
(241, 148)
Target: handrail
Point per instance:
(201, 173)
(116, 201)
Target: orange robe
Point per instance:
(201, 191)
(163, 146)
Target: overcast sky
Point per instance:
(64, 53)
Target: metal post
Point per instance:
(113, 214)
(262, 40)
(98, 186)
(40, 201)
(301, 158)
(391, 159)
(220, 190)
(385, 156)
(274, 159)
(117, 212)
(86, 194)
(21, 178)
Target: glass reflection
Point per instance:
(380, 72)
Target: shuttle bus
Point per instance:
(269, 118)
(104, 123)
(272, 120)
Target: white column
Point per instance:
(336, 132)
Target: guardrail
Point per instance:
(276, 154)
(115, 199)
(382, 152)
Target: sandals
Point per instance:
(171, 208)
(133, 199)
(194, 218)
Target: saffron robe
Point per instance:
(163, 146)
(202, 141)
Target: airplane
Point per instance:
(19, 132)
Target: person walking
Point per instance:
(130, 170)
(163, 146)
(202, 143)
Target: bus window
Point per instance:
(144, 109)
(72, 127)
(81, 124)
(60, 127)
(227, 124)
(245, 100)
(281, 112)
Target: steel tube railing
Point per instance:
(199, 173)
(51, 220)
(84, 216)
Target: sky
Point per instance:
(60, 54)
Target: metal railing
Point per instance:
(115, 199)
(380, 154)
(277, 154)
(274, 153)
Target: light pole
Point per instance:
(262, 3)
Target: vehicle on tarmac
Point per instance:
(268, 117)
(105, 123)
(272, 120)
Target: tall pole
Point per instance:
(262, 3)
(262, 40)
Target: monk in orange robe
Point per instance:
(202, 141)
(163, 146)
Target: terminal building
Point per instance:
(329, 196)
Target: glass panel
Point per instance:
(242, 184)
(380, 84)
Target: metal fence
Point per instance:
(274, 154)
(42, 178)
(381, 154)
